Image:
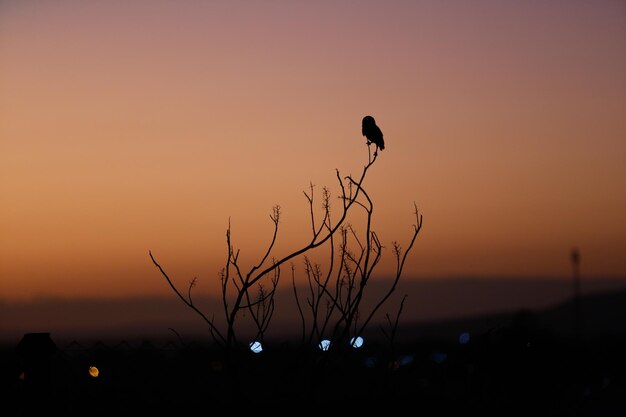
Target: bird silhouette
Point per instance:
(372, 132)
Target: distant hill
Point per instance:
(434, 307)
(602, 314)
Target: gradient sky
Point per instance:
(134, 126)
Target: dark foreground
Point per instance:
(511, 371)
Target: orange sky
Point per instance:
(133, 127)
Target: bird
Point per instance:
(372, 132)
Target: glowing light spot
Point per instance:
(256, 347)
(464, 338)
(22, 376)
(94, 372)
(356, 342)
(370, 362)
(325, 344)
(405, 360)
(439, 357)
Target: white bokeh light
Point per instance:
(256, 347)
(325, 344)
(356, 342)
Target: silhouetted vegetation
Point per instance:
(332, 310)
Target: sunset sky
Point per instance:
(146, 125)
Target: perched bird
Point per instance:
(372, 133)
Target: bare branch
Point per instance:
(220, 339)
(275, 216)
(317, 242)
(416, 229)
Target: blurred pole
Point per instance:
(575, 257)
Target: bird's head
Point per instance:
(368, 121)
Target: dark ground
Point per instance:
(523, 363)
(520, 368)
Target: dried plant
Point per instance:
(334, 297)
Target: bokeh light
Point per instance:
(256, 347)
(94, 371)
(439, 357)
(370, 362)
(325, 344)
(356, 342)
(405, 360)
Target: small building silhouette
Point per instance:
(35, 353)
